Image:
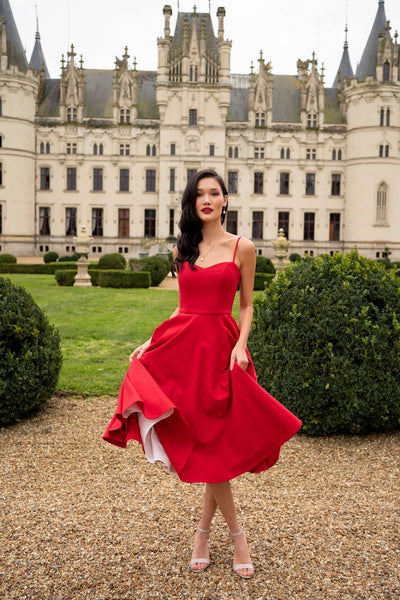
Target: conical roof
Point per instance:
(367, 65)
(345, 68)
(38, 60)
(15, 50)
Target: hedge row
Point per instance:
(41, 269)
(107, 278)
(262, 280)
(158, 266)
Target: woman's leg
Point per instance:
(200, 543)
(223, 497)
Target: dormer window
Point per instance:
(193, 73)
(312, 120)
(72, 115)
(260, 119)
(386, 71)
(125, 115)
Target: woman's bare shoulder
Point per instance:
(246, 246)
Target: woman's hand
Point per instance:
(140, 350)
(239, 355)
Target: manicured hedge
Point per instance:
(50, 257)
(264, 265)
(158, 266)
(67, 277)
(326, 343)
(112, 261)
(7, 258)
(262, 280)
(30, 355)
(124, 279)
(40, 269)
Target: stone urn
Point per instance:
(281, 249)
(82, 243)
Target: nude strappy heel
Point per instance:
(239, 567)
(201, 561)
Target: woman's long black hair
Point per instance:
(190, 224)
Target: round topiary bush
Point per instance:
(112, 261)
(264, 265)
(50, 257)
(158, 267)
(7, 259)
(326, 343)
(30, 355)
(294, 257)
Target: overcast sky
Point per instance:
(284, 29)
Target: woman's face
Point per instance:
(210, 200)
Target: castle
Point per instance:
(111, 150)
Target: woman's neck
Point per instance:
(212, 232)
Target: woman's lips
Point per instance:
(207, 211)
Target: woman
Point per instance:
(190, 395)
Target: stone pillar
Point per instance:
(82, 242)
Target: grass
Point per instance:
(99, 328)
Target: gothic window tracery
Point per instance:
(381, 203)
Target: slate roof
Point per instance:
(367, 65)
(345, 68)
(15, 49)
(37, 59)
(211, 42)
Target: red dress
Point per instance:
(182, 402)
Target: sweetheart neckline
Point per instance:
(224, 262)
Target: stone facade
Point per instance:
(112, 150)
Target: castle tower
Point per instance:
(38, 61)
(345, 69)
(373, 158)
(19, 88)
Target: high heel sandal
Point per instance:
(239, 567)
(201, 561)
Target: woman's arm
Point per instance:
(247, 265)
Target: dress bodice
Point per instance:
(208, 290)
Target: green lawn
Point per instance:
(99, 328)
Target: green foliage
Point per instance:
(326, 343)
(72, 258)
(385, 262)
(112, 261)
(30, 355)
(123, 279)
(262, 280)
(158, 267)
(40, 269)
(50, 257)
(7, 259)
(66, 277)
(294, 257)
(264, 265)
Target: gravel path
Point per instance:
(85, 520)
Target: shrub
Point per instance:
(158, 266)
(30, 355)
(50, 257)
(264, 265)
(7, 259)
(72, 258)
(294, 257)
(123, 279)
(385, 262)
(262, 280)
(67, 277)
(112, 261)
(40, 269)
(326, 343)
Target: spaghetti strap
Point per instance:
(237, 243)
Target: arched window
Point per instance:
(386, 71)
(333, 154)
(41, 147)
(153, 150)
(287, 153)
(382, 117)
(1, 107)
(236, 152)
(101, 149)
(339, 155)
(282, 153)
(148, 150)
(387, 117)
(381, 203)
(47, 148)
(95, 149)
(230, 152)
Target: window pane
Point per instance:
(150, 180)
(123, 222)
(283, 223)
(45, 178)
(97, 221)
(70, 221)
(171, 221)
(97, 180)
(44, 220)
(71, 179)
(172, 180)
(232, 182)
(258, 183)
(232, 221)
(150, 222)
(258, 225)
(124, 180)
(193, 116)
(284, 184)
(309, 222)
(310, 184)
(335, 184)
(334, 227)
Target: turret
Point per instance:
(368, 62)
(38, 61)
(345, 69)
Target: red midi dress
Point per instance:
(182, 402)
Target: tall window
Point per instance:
(193, 117)
(386, 71)
(173, 149)
(1, 219)
(312, 120)
(284, 184)
(70, 221)
(310, 184)
(190, 173)
(124, 180)
(148, 150)
(150, 180)
(212, 149)
(1, 174)
(381, 215)
(150, 222)
(97, 180)
(44, 220)
(257, 225)
(387, 117)
(123, 222)
(334, 227)
(283, 223)
(382, 117)
(230, 152)
(232, 182)
(153, 150)
(335, 185)
(309, 226)
(258, 183)
(236, 152)
(98, 149)
(171, 221)
(41, 147)
(71, 179)
(1, 107)
(232, 221)
(124, 115)
(45, 178)
(97, 222)
(172, 176)
(72, 114)
(260, 119)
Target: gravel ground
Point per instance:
(85, 520)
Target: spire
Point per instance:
(367, 65)
(38, 61)
(345, 68)
(15, 50)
